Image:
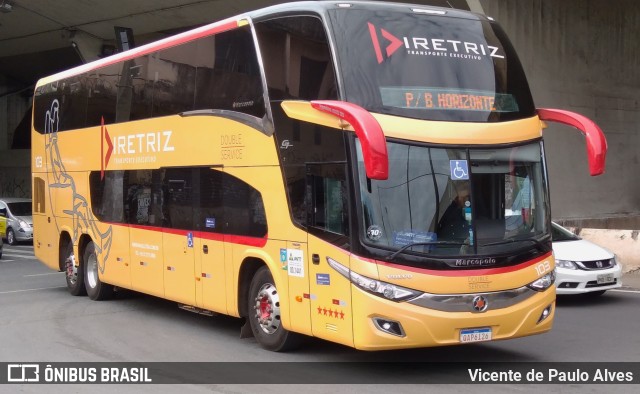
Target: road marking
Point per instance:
(6, 261)
(48, 273)
(19, 256)
(627, 291)
(25, 252)
(22, 291)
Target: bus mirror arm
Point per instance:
(368, 130)
(595, 139)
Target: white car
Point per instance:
(583, 267)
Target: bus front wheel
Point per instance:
(264, 314)
(96, 289)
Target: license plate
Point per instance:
(605, 278)
(475, 335)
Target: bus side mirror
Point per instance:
(596, 141)
(366, 127)
(3, 212)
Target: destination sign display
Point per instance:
(447, 99)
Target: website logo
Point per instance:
(23, 373)
(385, 43)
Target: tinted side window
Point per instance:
(211, 210)
(137, 204)
(102, 86)
(107, 196)
(298, 65)
(297, 59)
(244, 209)
(228, 73)
(217, 72)
(173, 79)
(179, 197)
(182, 198)
(327, 192)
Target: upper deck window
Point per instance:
(429, 66)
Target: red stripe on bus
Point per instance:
(234, 239)
(458, 273)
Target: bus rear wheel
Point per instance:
(74, 274)
(96, 289)
(264, 314)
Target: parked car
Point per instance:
(583, 267)
(19, 221)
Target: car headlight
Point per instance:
(544, 282)
(570, 265)
(614, 260)
(23, 224)
(375, 287)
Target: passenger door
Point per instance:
(210, 261)
(328, 225)
(179, 236)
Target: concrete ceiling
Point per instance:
(32, 32)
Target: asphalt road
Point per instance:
(41, 322)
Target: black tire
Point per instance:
(96, 289)
(11, 237)
(73, 275)
(264, 300)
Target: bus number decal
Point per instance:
(543, 268)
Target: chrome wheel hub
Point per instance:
(72, 270)
(267, 308)
(92, 271)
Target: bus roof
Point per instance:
(319, 7)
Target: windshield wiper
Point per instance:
(405, 247)
(512, 240)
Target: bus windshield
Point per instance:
(456, 202)
(429, 66)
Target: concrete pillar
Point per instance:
(87, 46)
(4, 144)
(582, 55)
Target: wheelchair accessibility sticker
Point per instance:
(190, 240)
(459, 170)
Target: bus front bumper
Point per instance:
(380, 324)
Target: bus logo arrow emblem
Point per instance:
(395, 43)
(104, 159)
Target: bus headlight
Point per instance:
(373, 286)
(544, 282)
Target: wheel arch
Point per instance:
(63, 241)
(248, 268)
(82, 245)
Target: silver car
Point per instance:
(19, 219)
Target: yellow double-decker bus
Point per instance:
(368, 173)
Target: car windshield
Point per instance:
(456, 202)
(561, 234)
(436, 67)
(20, 208)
